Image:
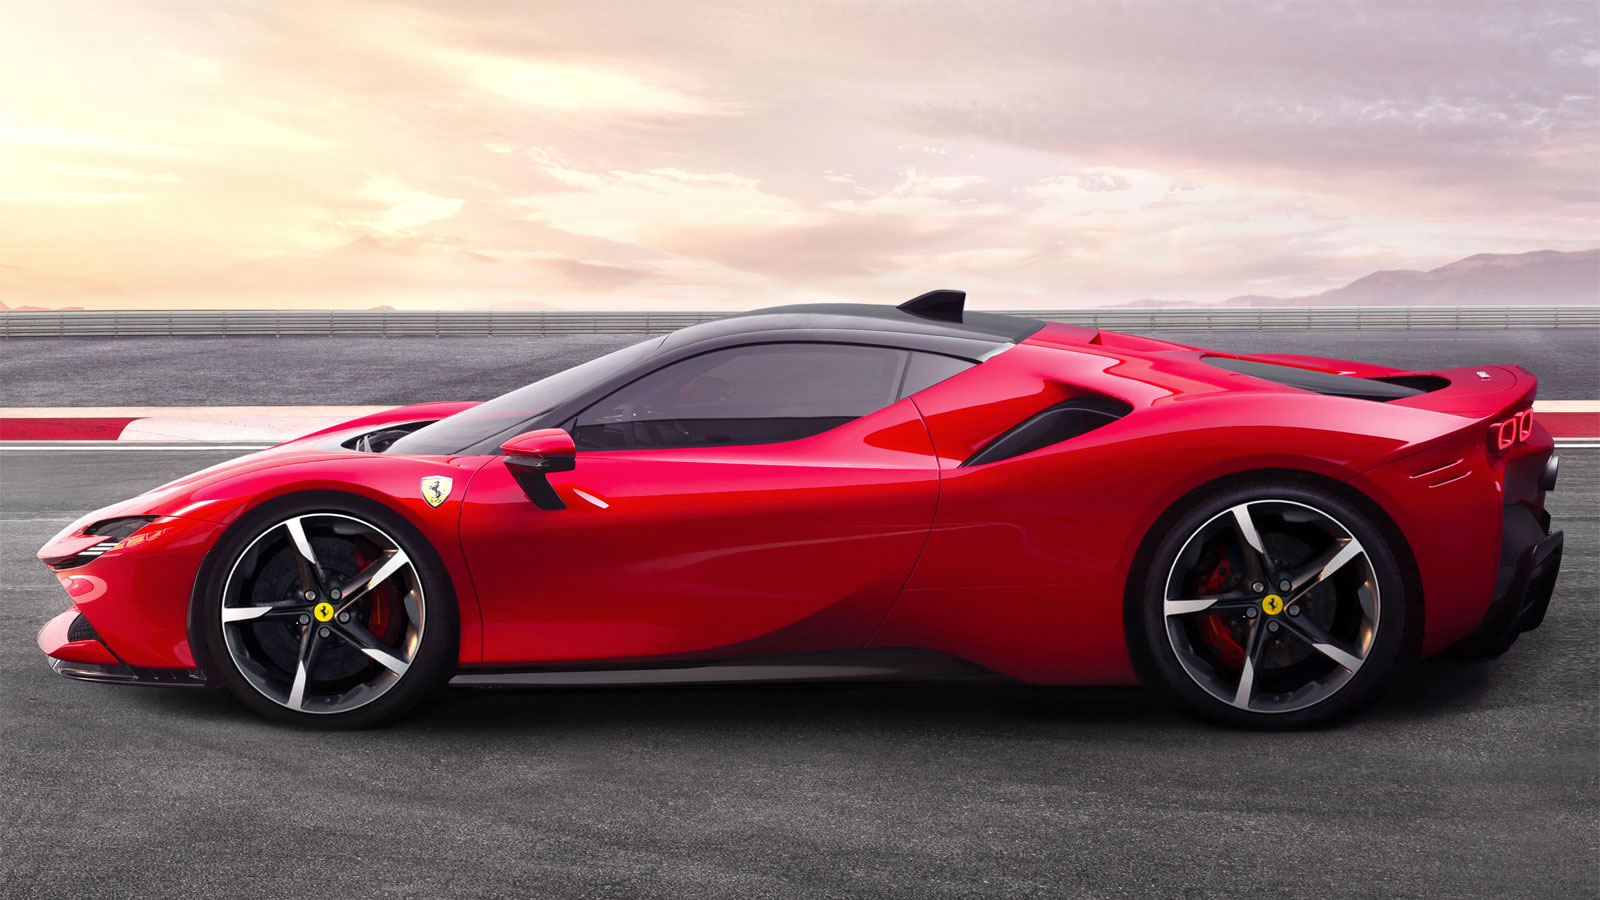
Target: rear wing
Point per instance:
(1481, 392)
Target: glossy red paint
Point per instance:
(542, 445)
(1048, 538)
(802, 545)
(872, 533)
(143, 614)
(54, 642)
(137, 594)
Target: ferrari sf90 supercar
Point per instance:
(843, 491)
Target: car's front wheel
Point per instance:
(1273, 605)
(328, 613)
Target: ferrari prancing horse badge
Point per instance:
(435, 488)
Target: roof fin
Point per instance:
(945, 305)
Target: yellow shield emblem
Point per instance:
(435, 488)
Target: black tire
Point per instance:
(1213, 650)
(248, 564)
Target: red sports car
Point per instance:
(836, 491)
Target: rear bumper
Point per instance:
(1475, 521)
(1530, 562)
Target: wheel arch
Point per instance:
(1133, 625)
(246, 517)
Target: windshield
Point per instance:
(507, 412)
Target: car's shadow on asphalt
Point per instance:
(835, 707)
(1416, 691)
(1434, 688)
(982, 704)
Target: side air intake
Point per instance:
(1061, 422)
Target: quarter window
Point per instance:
(758, 394)
(928, 369)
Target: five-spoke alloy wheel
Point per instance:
(1278, 605)
(327, 615)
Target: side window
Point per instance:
(759, 394)
(928, 369)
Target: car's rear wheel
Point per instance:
(1276, 605)
(328, 613)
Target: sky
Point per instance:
(476, 154)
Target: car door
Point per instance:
(757, 498)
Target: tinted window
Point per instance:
(762, 394)
(928, 369)
(505, 414)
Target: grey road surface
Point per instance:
(1466, 780)
(191, 371)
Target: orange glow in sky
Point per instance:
(668, 154)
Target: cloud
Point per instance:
(571, 87)
(72, 199)
(406, 207)
(41, 137)
(109, 174)
(632, 206)
(645, 153)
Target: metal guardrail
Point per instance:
(393, 323)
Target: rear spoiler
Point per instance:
(1483, 393)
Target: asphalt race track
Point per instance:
(1466, 780)
(360, 371)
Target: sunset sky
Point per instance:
(662, 154)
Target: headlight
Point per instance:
(117, 529)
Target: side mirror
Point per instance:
(546, 450)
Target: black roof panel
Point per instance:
(886, 320)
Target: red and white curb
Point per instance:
(1572, 423)
(186, 425)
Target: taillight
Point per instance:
(1507, 433)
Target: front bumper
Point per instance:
(75, 650)
(136, 592)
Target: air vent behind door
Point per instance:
(1061, 422)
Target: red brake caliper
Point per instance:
(1214, 631)
(377, 602)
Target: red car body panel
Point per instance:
(799, 545)
(144, 584)
(56, 641)
(872, 534)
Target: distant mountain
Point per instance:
(1164, 304)
(1506, 279)
(431, 273)
(26, 308)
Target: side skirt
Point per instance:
(853, 665)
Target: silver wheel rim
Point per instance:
(1298, 600)
(323, 613)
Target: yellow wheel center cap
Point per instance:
(1272, 604)
(323, 612)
